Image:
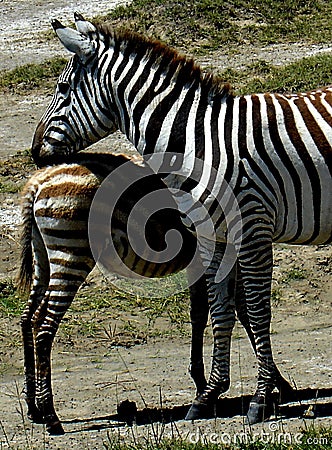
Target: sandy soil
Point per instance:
(91, 374)
(23, 21)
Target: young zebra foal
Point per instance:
(56, 257)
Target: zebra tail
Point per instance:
(25, 273)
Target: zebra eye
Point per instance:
(63, 88)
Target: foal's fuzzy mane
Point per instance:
(165, 55)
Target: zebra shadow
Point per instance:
(305, 403)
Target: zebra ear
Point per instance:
(74, 41)
(82, 25)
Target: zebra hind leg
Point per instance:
(29, 358)
(256, 271)
(286, 392)
(66, 277)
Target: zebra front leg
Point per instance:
(256, 270)
(199, 311)
(222, 311)
(286, 392)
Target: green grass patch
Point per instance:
(299, 76)
(276, 296)
(9, 187)
(31, 76)
(295, 274)
(74, 325)
(10, 303)
(202, 25)
(127, 317)
(173, 307)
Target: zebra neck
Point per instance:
(161, 107)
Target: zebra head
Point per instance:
(77, 115)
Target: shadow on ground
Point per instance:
(225, 408)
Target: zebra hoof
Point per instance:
(55, 429)
(197, 374)
(258, 412)
(286, 391)
(200, 411)
(35, 415)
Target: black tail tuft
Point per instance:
(25, 274)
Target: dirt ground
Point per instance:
(91, 374)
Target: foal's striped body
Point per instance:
(56, 203)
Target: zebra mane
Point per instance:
(165, 56)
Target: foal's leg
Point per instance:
(63, 286)
(39, 286)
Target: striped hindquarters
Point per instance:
(61, 211)
(284, 146)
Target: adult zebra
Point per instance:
(57, 257)
(272, 152)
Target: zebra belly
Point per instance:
(324, 237)
(309, 224)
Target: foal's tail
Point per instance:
(25, 273)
